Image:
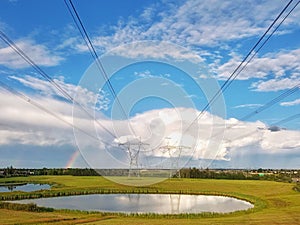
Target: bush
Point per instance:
(31, 207)
(297, 188)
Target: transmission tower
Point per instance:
(133, 150)
(174, 152)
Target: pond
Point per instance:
(27, 187)
(145, 203)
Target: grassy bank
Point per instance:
(275, 203)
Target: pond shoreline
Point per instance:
(258, 204)
(13, 184)
(144, 203)
(59, 190)
(23, 187)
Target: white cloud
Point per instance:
(205, 23)
(247, 106)
(149, 13)
(271, 64)
(275, 84)
(274, 71)
(156, 50)
(194, 23)
(273, 141)
(71, 41)
(82, 95)
(191, 96)
(39, 53)
(148, 74)
(144, 74)
(291, 103)
(26, 125)
(156, 125)
(199, 24)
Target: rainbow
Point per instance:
(72, 159)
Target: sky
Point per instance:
(164, 60)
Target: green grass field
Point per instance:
(275, 202)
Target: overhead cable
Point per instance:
(244, 62)
(21, 53)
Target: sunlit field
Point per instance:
(275, 202)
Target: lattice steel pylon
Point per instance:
(133, 150)
(174, 154)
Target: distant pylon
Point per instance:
(133, 150)
(174, 156)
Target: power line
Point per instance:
(285, 120)
(80, 26)
(26, 58)
(21, 53)
(247, 59)
(240, 67)
(262, 45)
(288, 119)
(39, 106)
(264, 107)
(235, 73)
(272, 102)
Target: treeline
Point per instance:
(231, 175)
(14, 172)
(67, 171)
(260, 174)
(212, 174)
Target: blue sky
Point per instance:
(178, 53)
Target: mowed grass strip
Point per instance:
(276, 203)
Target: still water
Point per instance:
(145, 203)
(24, 187)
